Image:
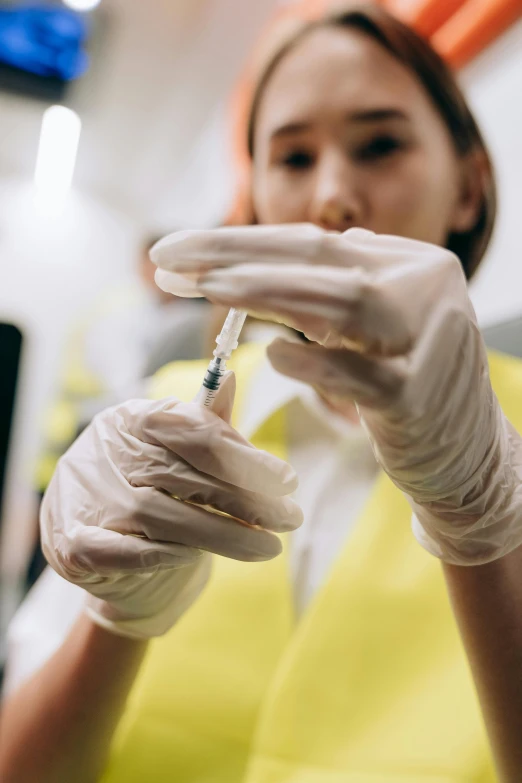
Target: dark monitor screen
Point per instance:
(10, 354)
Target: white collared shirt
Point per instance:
(336, 470)
(335, 465)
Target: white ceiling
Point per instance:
(152, 106)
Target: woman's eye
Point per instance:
(297, 160)
(380, 147)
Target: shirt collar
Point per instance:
(270, 391)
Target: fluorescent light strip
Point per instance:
(82, 5)
(57, 150)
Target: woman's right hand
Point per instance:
(132, 511)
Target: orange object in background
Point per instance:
(473, 27)
(425, 16)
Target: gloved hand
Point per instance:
(113, 520)
(394, 330)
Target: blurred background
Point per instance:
(115, 127)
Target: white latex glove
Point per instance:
(393, 330)
(110, 523)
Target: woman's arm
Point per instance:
(487, 601)
(58, 726)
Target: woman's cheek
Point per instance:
(275, 201)
(401, 203)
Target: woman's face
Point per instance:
(346, 136)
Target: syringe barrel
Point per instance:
(211, 382)
(227, 341)
(214, 373)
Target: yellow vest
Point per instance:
(370, 686)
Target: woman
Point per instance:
(342, 664)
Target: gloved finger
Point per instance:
(162, 518)
(186, 253)
(223, 402)
(178, 478)
(329, 304)
(370, 382)
(99, 551)
(207, 443)
(189, 252)
(178, 285)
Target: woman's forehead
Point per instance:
(333, 71)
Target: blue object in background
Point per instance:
(43, 39)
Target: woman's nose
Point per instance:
(336, 204)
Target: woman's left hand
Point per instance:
(393, 329)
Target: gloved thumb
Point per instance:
(224, 400)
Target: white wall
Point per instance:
(50, 269)
(493, 83)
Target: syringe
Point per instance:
(226, 342)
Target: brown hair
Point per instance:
(440, 84)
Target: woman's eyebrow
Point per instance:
(289, 129)
(364, 116)
(377, 115)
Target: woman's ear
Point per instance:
(475, 176)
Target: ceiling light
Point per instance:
(59, 138)
(82, 5)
